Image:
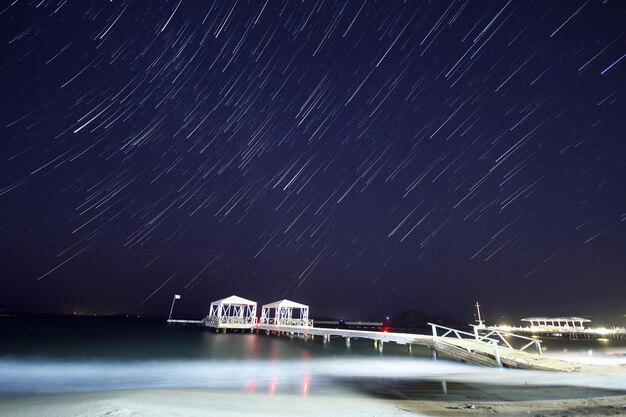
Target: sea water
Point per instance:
(58, 354)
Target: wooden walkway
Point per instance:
(454, 344)
(186, 322)
(483, 354)
(486, 352)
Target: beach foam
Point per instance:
(24, 375)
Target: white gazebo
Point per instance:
(280, 313)
(232, 313)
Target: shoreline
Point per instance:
(593, 391)
(367, 400)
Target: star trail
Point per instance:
(363, 157)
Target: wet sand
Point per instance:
(592, 391)
(427, 398)
(352, 398)
(196, 403)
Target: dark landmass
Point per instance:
(417, 319)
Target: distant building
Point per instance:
(556, 323)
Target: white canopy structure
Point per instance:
(280, 313)
(232, 312)
(557, 322)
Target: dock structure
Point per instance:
(185, 322)
(561, 327)
(496, 350)
(232, 312)
(379, 338)
(494, 347)
(573, 323)
(281, 313)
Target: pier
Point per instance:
(496, 348)
(559, 327)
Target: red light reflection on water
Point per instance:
(274, 352)
(252, 346)
(273, 387)
(251, 387)
(306, 386)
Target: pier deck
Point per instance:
(487, 346)
(453, 344)
(483, 354)
(467, 350)
(186, 322)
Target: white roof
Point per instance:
(556, 319)
(285, 303)
(234, 299)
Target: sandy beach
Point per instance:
(176, 372)
(192, 403)
(370, 397)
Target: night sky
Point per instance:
(362, 157)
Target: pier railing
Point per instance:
(463, 337)
(230, 320)
(502, 335)
(185, 322)
(272, 321)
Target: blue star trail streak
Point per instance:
(360, 156)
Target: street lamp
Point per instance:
(176, 297)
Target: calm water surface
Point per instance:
(66, 354)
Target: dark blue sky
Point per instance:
(362, 157)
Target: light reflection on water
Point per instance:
(23, 376)
(55, 356)
(594, 351)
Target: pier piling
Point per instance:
(496, 354)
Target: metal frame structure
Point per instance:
(232, 312)
(280, 313)
(493, 333)
(464, 338)
(557, 322)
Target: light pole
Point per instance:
(176, 297)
